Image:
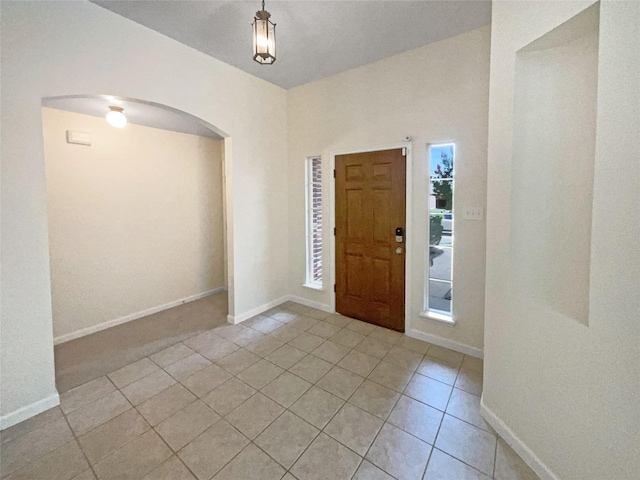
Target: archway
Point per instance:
(137, 231)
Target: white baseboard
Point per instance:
(235, 319)
(133, 316)
(287, 298)
(446, 343)
(427, 337)
(310, 303)
(529, 457)
(17, 416)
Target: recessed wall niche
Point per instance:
(555, 89)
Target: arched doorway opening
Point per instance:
(137, 231)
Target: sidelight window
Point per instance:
(313, 173)
(439, 281)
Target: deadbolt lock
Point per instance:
(399, 235)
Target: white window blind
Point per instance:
(314, 221)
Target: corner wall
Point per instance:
(436, 93)
(68, 48)
(562, 375)
(135, 220)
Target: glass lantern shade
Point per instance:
(264, 38)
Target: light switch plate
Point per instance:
(473, 213)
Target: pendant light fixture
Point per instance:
(264, 38)
(116, 118)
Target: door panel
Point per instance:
(382, 273)
(370, 205)
(381, 215)
(354, 287)
(354, 213)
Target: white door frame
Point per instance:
(408, 232)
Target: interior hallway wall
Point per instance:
(436, 93)
(62, 48)
(135, 220)
(562, 375)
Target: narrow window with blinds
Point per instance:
(313, 174)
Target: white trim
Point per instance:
(310, 303)
(446, 343)
(443, 318)
(408, 225)
(235, 319)
(314, 286)
(24, 413)
(408, 237)
(133, 316)
(286, 298)
(527, 455)
(427, 260)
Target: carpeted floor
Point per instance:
(95, 355)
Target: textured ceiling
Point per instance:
(315, 39)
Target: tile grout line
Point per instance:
(84, 454)
(409, 433)
(333, 365)
(495, 460)
(364, 457)
(119, 389)
(134, 408)
(153, 427)
(320, 430)
(463, 462)
(450, 454)
(7, 442)
(251, 441)
(4, 475)
(173, 452)
(287, 470)
(433, 447)
(435, 438)
(440, 423)
(367, 378)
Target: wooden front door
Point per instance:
(370, 205)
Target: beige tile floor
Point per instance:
(291, 394)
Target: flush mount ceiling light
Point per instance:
(116, 118)
(264, 38)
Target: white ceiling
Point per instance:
(136, 111)
(315, 39)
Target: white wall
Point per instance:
(69, 48)
(435, 93)
(566, 391)
(135, 220)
